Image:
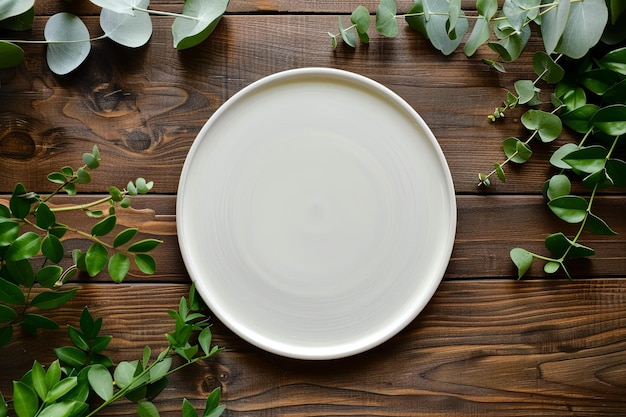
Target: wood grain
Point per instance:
(144, 107)
(505, 348)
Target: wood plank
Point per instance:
(144, 107)
(506, 348)
(488, 227)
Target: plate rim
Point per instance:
(320, 353)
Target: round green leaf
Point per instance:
(145, 263)
(585, 25)
(131, 30)
(11, 293)
(206, 14)
(516, 150)
(10, 8)
(436, 26)
(526, 90)
(25, 246)
(615, 61)
(599, 80)
(558, 186)
(579, 119)
(49, 275)
(361, 18)
(11, 55)
(96, 258)
(44, 216)
(19, 202)
(101, 381)
(91, 160)
(147, 409)
(611, 120)
(386, 22)
(569, 208)
(104, 226)
(348, 36)
(9, 231)
(145, 245)
(589, 159)
(124, 236)
(547, 68)
(480, 35)
(547, 125)
(557, 157)
(119, 6)
(83, 176)
(551, 267)
(7, 313)
(52, 248)
(53, 299)
(69, 43)
(553, 24)
(522, 259)
(511, 41)
(119, 265)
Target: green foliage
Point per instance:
(569, 27)
(30, 231)
(81, 371)
(589, 99)
(126, 22)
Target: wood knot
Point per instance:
(17, 145)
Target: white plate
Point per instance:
(316, 213)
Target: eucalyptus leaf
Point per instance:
(547, 68)
(614, 61)
(415, 18)
(599, 80)
(518, 12)
(203, 19)
(522, 259)
(119, 6)
(479, 36)
(579, 119)
(585, 25)
(361, 18)
(558, 186)
(348, 36)
(11, 55)
(68, 42)
(553, 24)
(511, 42)
(557, 157)
(386, 22)
(598, 180)
(611, 119)
(597, 226)
(525, 90)
(11, 8)
(569, 208)
(560, 246)
(547, 125)
(436, 26)
(551, 267)
(616, 169)
(516, 150)
(131, 30)
(454, 11)
(588, 159)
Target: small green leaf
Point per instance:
(32, 322)
(204, 340)
(101, 381)
(143, 186)
(61, 388)
(53, 375)
(546, 68)
(11, 293)
(119, 265)
(585, 24)
(597, 226)
(557, 156)
(96, 258)
(188, 409)
(7, 313)
(516, 150)
(124, 236)
(52, 248)
(48, 276)
(558, 186)
(588, 159)
(580, 118)
(58, 177)
(104, 226)
(160, 369)
(615, 61)
(91, 161)
(25, 400)
(212, 407)
(616, 169)
(526, 90)
(386, 23)
(145, 245)
(53, 299)
(11, 55)
(348, 35)
(479, 36)
(147, 409)
(145, 263)
(61, 409)
(71, 356)
(131, 30)
(569, 208)
(361, 18)
(522, 259)
(24, 247)
(69, 43)
(611, 120)
(553, 25)
(190, 32)
(9, 231)
(77, 338)
(547, 125)
(499, 172)
(551, 267)
(560, 246)
(83, 176)
(124, 373)
(19, 202)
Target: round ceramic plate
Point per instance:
(316, 213)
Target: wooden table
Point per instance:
(486, 345)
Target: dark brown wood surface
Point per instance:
(486, 345)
